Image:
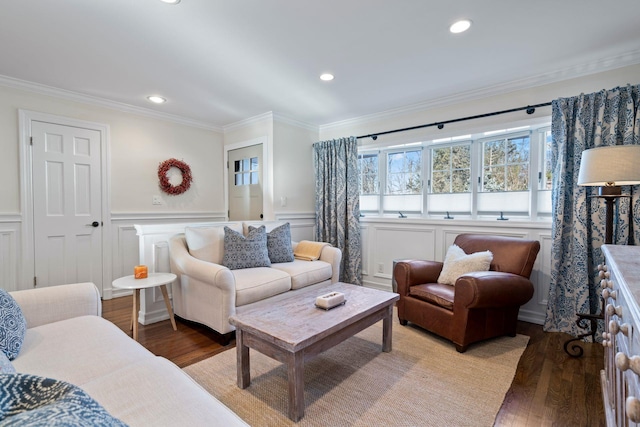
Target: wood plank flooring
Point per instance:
(550, 388)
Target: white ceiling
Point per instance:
(221, 61)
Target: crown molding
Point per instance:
(598, 66)
(288, 120)
(102, 102)
(268, 116)
(271, 117)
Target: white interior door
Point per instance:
(66, 177)
(245, 183)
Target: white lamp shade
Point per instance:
(611, 165)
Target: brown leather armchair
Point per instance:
(481, 305)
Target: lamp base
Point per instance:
(610, 190)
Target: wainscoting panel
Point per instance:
(8, 257)
(387, 239)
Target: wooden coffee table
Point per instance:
(293, 330)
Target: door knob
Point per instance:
(94, 224)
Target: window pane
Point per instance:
(441, 182)
(245, 178)
(461, 157)
(461, 181)
(518, 177)
(494, 153)
(518, 150)
(368, 167)
(441, 159)
(254, 178)
(245, 164)
(236, 166)
(494, 179)
(254, 163)
(238, 179)
(404, 172)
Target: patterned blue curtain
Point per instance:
(338, 202)
(580, 123)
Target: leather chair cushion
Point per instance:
(435, 293)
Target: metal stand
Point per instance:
(587, 320)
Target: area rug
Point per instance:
(423, 381)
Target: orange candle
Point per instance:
(140, 272)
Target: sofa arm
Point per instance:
(492, 289)
(415, 272)
(333, 256)
(47, 305)
(182, 262)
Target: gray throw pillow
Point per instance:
(279, 243)
(13, 325)
(5, 365)
(245, 252)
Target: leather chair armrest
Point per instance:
(415, 272)
(492, 289)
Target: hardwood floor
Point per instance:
(550, 388)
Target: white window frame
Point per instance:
(533, 196)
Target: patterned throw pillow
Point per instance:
(32, 400)
(13, 325)
(279, 243)
(245, 252)
(5, 365)
(457, 263)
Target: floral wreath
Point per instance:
(165, 185)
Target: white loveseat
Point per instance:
(207, 292)
(68, 340)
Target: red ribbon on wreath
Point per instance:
(165, 185)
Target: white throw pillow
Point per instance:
(457, 263)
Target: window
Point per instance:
(368, 166)
(246, 171)
(403, 181)
(472, 176)
(404, 172)
(506, 164)
(450, 183)
(369, 182)
(451, 169)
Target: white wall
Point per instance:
(137, 145)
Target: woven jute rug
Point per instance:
(423, 381)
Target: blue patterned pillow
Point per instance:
(245, 252)
(5, 365)
(32, 400)
(279, 243)
(13, 325)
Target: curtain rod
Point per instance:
(529, 108)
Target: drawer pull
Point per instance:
(611, 310)
(607, 293)
(615, 327)
(633, 409)
(624, 362)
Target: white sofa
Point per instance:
(67, 339)
(207, 292)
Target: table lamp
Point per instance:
(609, 168)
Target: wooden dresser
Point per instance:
(620, 283)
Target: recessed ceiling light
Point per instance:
(156, 99)
(326, 77)
(460, 26)
(171, 1)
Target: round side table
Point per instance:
(153, 280)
